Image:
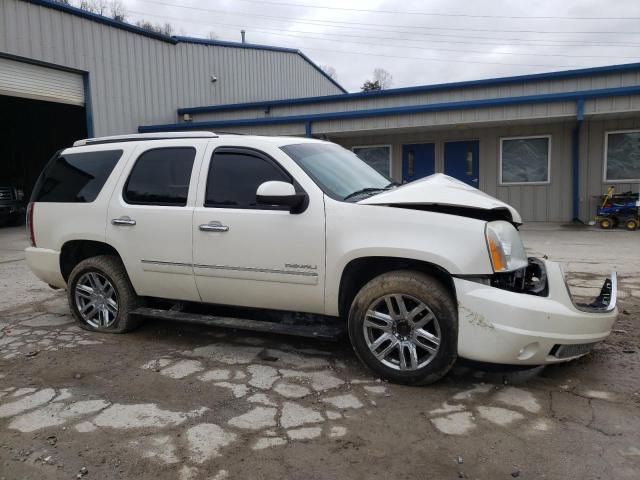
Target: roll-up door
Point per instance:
(27, 80)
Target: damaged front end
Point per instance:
(530, 316)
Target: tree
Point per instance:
(330, 71)
(384, 78)
(113, 8)
(369, 86)
(166, 29)
(212, 35)
(117, 11)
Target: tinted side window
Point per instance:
(235, 177)
(161, 177)
(75, 177)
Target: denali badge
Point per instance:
(297, 265)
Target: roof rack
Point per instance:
(136, 137)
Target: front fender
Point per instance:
(453, 243)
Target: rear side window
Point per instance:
(234, 178)
(161, 177)
(75, 177)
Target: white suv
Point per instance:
(175, 225)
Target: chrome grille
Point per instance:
(567, 351)
(6, 193)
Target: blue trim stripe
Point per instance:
(378, 112)
(225, 43)
(174, 40)
(629, 67)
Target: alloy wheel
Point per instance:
(401, 332)
(96, 300)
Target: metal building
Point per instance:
(66, 74)
(546, 143)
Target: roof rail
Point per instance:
(136, 137)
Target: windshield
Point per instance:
(341, 174)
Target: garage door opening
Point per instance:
(32, 131)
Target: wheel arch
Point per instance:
(75, 251)
(361, 270)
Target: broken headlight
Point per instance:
(505, 247)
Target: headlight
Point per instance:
(505, 247)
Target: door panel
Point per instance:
(154, 239)
(461, 161)
(266, 258)
(418, 160)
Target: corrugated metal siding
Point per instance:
(19, 79)
(137, 80)
(610, 80)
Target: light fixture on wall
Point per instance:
(214, 79)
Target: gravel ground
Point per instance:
(171, 401)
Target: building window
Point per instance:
(622, 156)
(376, 156)
(525, 160)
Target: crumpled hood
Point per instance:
(440, 189)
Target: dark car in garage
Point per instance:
(12, 204)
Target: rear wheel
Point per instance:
(101, 296)
(404, 326)
(631, 224)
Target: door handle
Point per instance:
(128, 221)
(213, 227)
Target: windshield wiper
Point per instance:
(363, 191)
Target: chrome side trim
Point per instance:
(232, 268)
(257, 270)
(158, 262)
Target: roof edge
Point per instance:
(416, 89)
(102, 19)
(175, 39)
(389, 111)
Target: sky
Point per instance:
(419, 42)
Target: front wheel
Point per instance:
(631, 224)
(101, 296)
(403, 325)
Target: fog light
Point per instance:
(528, 351)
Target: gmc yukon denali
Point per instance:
(175, 225)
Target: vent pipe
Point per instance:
(242, 32)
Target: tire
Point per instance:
(606, 223)
(631, 224)
(91, 275)
(438, 318)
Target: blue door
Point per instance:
(461, 161)
(418, 160)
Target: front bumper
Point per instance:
(502, 326)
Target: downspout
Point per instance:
(307, 129)
(87, 104)
(575, 161)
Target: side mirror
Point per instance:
(281, 194)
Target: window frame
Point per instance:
(381, 145)
(526, 137)
(606, 155)
(254, 152)
(160, 204)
